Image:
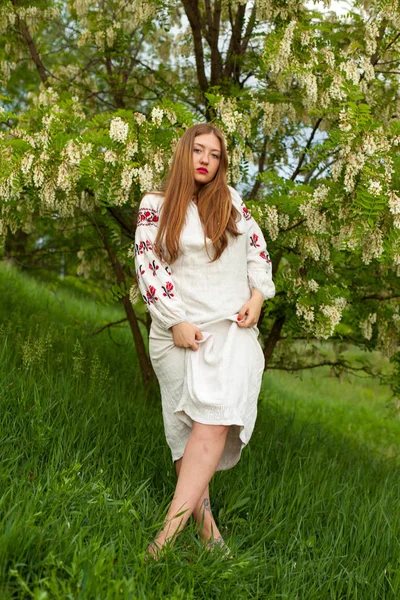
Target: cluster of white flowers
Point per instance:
(308, 82)
(315, 220)
(234, 163)
(281, 60)
(329, 57)
(82, 7)
(140, 118)
(283, 220)
(6, 69)
(64, 177)
(272, 221)
(158, 161)
(336, 90)
(350, 69)
(331, 316)
(354, 163)
(274, 114)
(230, 116)
(346, 238)
(26, 163)
(371, 36)
(84, 264)
(309, 247)
(118, 130)
(48, 195)
(131, 149)
(374, 187)
(373, 246)
(305, 312)
(157, 115)
(145, 177)
(127, 175)
(38, 175)
(110, 157)
(394, 202)
(366, 326)
(74, 151)
(369, 145)
(134, 293)
(312, 285)
(85, 38)
(344, 120)
(368, 68)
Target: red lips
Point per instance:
(201, 170)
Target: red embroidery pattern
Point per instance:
(150, 297)
(245, 212)
(168, 289)
(265, 256)
(168, 270)
(147, 216)
(254, 240)
(144, 245)
(153, 267)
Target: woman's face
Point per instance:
(206, 158)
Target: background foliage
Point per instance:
(96, 94)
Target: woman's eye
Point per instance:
(197, 150)
(215, 155)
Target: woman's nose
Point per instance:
(204, 159)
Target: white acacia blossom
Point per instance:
(331, 316)
(375, 187)
(26, 163)
(366, 326)
(373, 246)
(145, 177)
(118, 130)
(157, 115)
(127, 177)
(272, 221)
(282, 58)
(394, 203)
(305, 312)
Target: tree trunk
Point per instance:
(273, 338)
(144, 361)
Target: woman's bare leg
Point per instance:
(202, 513)
(203, 450)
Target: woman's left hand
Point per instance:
(250, 312)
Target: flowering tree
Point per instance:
(309, 104)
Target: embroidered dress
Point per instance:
(219, 383)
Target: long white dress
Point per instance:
(220, 382)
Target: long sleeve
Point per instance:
(259, 266)
(154, 276)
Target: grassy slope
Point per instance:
(311, 511)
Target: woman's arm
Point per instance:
(259, 267)
(154, 275)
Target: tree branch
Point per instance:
(24, 31)
(303, 154)
(193, 14)
(109, 325)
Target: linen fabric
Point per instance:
(220, 382)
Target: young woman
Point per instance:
(204, 271)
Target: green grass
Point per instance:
(310, 512)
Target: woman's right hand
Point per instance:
(185, 335)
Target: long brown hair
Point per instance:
(217, 214)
